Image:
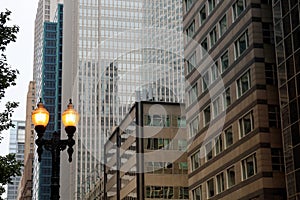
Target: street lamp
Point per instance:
(40, 119)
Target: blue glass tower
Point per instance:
(58, 68)
(51, 96)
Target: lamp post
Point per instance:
(40, 119)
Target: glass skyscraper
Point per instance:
(42, 15)
(287, 41)
(115, 53)
(16, 146)
(47, 74)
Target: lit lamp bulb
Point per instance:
(70, 118)
(40, 117)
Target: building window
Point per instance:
(224, 61)
(157, 120)
(228, 137)
(191, 30)
(195, 159)
(204, 46)
(218, 144)
(166, 120)
(194, 127)
(274, 116)
(243, 84)
(147, 120)
(230, 177)
(168, 192)
(208, 151)
(223, 25)
(268, 33)
(277, 159)
(202, 14)
(193, 94)
(210, 188)
(246, 124)
(159, 192)
(249, 167)
(217, 107)
(207, 115)
(213, 37)
(183, 166)
(178, 121)
(215, 72)
(211, 5)
(197, 193)
(191, 62)
(238, 7)
(226, 98)
(220, 183)
(188, 4)
(241, 44)
(182, 145)
(271, 74)
(152, 143)
(205, 81)
(183, 193)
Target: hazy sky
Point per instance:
(20, 56)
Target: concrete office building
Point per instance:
(16, 146)
(110, 59)
(25, 186)
(287, 40)
(47, 75)
(232, 110)
(79, 82)
(145, 156)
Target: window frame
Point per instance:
(220, 25)
(211, 5)
(209, 183)
(274, 116)
(235, 13)
(277, 159)
(193, 94)
(215, 71)
(201, 19)
(190, 31)
(183, 192)
(178, 121)
(229, 180)
(193, 132)
(208, 151)
(244, 165)
(195, 160)
(243, 131)
(205, 81)
(197, 193)
(218, 144)
(188, 6)
(213, 37)
(226, 144)
(222, 66)
(220, 188)
(217, 107)
(237, 44)
(206, 118)
(204, 43)
(225, 95)
(191, 62)
(239, 84)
